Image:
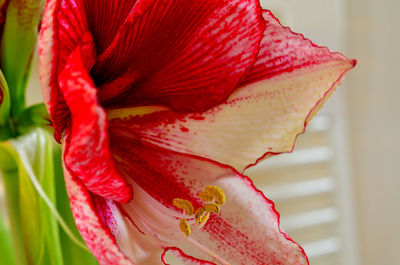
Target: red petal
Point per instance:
(63, 27)
(87, 152)
(245, 232)
(189, 55)
(290, 81)
(96, 235)
(105, 18)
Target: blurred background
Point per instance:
(338, 193)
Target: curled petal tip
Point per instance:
(126, 194)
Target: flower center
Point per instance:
(214, 198)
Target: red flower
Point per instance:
(173, 100)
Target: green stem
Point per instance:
(6, 252)
(17, 46)
(11, 185)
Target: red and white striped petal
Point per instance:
(87, 153)
(246, 231)
(289, 82)
(139, 247)
(87, 217)
(188, 55)
(283, 51)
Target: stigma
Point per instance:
(214, 198)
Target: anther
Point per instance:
(183, 205)
(212, 207)
(185, 227)
(213, 193)
(199, 214)
(204, 218)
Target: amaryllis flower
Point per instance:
(161, 105)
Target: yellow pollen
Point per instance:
(212, 207)
(185, 227)
(204, 219)
(213, 193)
(184, 205)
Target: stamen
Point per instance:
(184, 205)
(199, 214)
(212, 207)
(213, 193)
(185, 227)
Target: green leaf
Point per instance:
(17, 46)
(34, 116)
(6, 125)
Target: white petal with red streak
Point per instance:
(139, 247)
(289, 82)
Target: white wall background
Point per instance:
(373, 31)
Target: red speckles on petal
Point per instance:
(184, 129)
(157, 179)
(283, 51)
